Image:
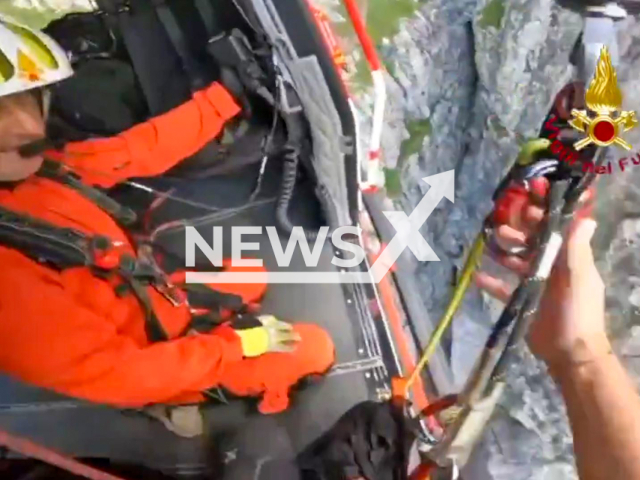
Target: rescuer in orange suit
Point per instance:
(68, 330)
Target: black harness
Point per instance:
(62, 248)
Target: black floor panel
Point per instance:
(86, 430)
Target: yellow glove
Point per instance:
(270, 335)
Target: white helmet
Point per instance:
(29, 59)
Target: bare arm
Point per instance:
(570, 336)
(604, 411)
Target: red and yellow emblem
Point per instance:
(27, 68)
(603, 98)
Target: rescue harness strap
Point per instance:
(54, 171)
(59, 247)
(62, 248)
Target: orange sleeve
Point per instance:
(47, 339)
(153, 147)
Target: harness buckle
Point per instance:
(147, 266)
(113, 256)
(105, 253)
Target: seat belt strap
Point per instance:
(208, 16)
(118, 17)
(174, 32)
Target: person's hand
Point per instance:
(266, 334)
(569, 328)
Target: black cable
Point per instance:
(291, 159)
(267, 142)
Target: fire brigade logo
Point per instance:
(603, 98)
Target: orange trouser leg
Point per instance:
(251, 293)
(272, 375)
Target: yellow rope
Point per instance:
(464, 281)
(527, 155)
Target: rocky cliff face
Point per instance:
(468, 81)
(484, 74)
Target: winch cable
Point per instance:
(218, 216)
(285, 196)
(215, 213)
(268, 140)
(148, 189)
(283, 201)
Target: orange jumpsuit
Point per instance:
(69, 331)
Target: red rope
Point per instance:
(439, 405)
(33, 450)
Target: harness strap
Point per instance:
(203, 296)
(63, 248)
(54, 171)
(153, 327)
(45, 243)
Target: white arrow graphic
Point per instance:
(408, 236)
(408, 227)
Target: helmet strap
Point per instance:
(44, 99)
